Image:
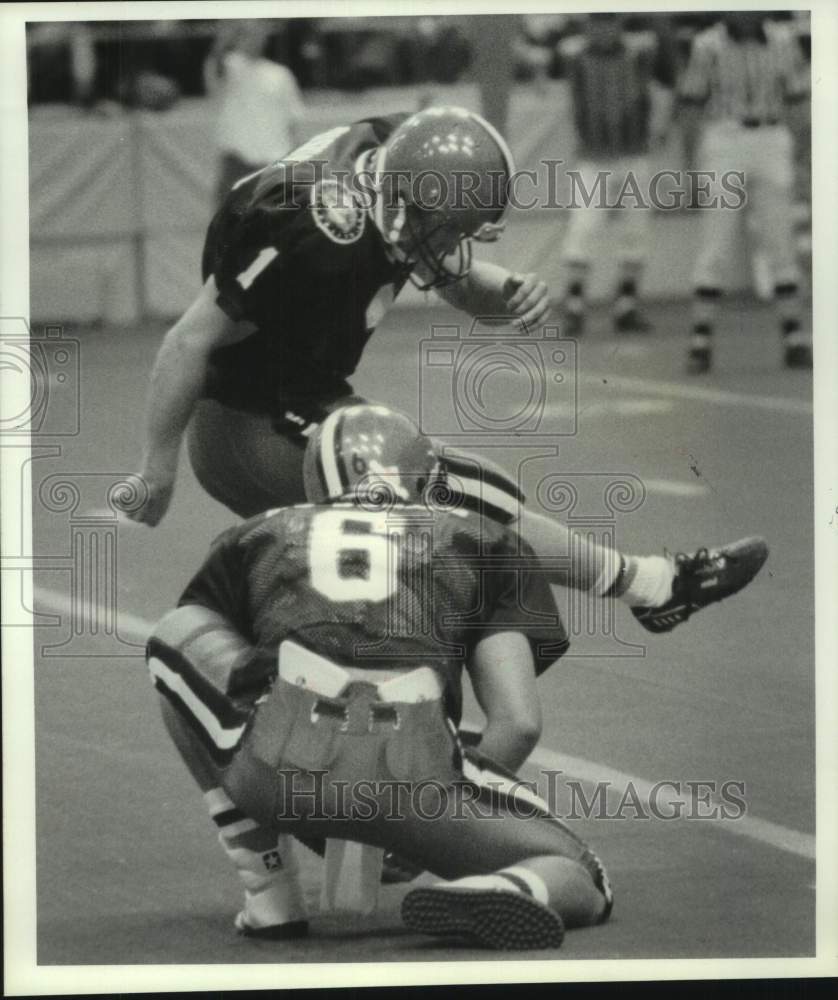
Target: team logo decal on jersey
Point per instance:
(337, 213)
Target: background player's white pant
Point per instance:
(765, 155)
(630, 224)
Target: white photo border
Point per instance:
(22, 974)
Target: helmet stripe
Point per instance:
(343, 476)
(327, 458)
(321, 475)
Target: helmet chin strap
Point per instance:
(373, 160)
(368, 164)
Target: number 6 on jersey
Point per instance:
(338, 538)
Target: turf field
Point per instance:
(129, 871)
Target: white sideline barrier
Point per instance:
(119, 206)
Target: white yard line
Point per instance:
(675, 488)
(704, 394)
(130, 626)
(137, 629)
(751, 827)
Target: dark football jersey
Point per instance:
(401, 588)
(294, 251)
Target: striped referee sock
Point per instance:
(574, 300)
(701, 338)
(705, 311)
(574, 303)
(264, 862)
(625, 301)
(787, 297)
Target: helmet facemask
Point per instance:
(417, 242)
(448, 266)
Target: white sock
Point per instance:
(270, 875)
(535, 883)
(798, 338)
(651, 584)
(611, 565)
(519, 880)
(272, 895)
(575, 305)
(624, 304)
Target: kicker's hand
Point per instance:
(159, 485)
(527, 299)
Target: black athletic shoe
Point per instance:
(699, 360)
(492, 918)
(798, 356)
(293, 930)
(632, 322)
(707, 576)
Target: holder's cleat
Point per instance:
(492, 918)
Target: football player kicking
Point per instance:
(299, 265)
(312, 680)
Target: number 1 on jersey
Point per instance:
(257, 266)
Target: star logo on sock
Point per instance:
(272, 860)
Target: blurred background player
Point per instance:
(62, 61)
(747, 75)
(259, 104)
(298, 273)
(335, 620)
(620, 115)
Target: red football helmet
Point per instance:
(441, 179)
(370, 453)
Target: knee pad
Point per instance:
(206, 640)
(195, 659)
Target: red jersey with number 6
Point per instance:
(405, 587)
